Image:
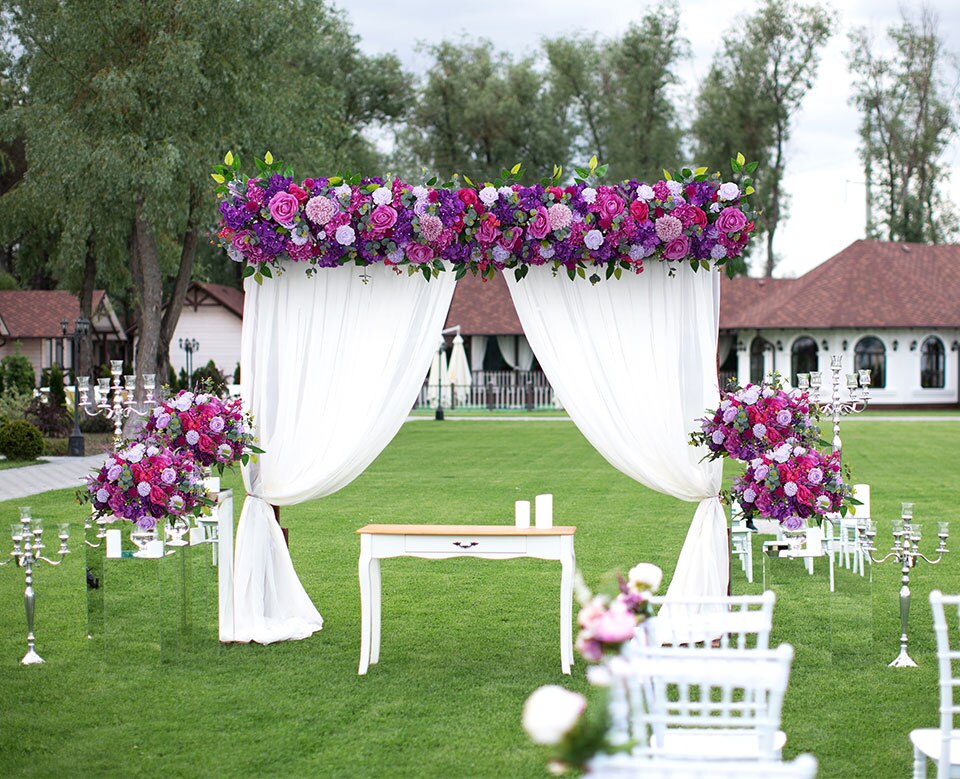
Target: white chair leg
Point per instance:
(919, 764)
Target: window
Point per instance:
(757, 348)
(803, 358)
(870, 354)
(932, 363)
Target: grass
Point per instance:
(464, 641)
(5, 463)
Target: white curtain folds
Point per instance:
(633, 361)
(330, 368)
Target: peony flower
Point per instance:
(560, 216)
(593, 240)
(283, 208)
(749, 495)
(489, 196)
(645, 576)
(668, 227)
(551, 712)
(320, 209)
(615, 625)
(382, 196)
(345, 235)
(728, 191)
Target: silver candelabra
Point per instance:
(858, 385)
(906, 552)
(28, 549)
(122, 403)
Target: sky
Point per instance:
(824, 175)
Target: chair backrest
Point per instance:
(862, 493)
(624, 766)
(660, 694)
(741, 621)
(949, 661)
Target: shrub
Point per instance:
(58, 397)
(172, 381)
(236, 374)
(210, 377)
(20, 440)
(97, 424)
(51, 419)
(13, 405)
(16, 373)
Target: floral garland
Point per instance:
(775, 433)
(215, 432)
(143, 483)
(582, 227)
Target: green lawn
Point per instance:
(464, 641)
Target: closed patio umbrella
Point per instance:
(458, 374)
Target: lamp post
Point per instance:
(81, 328)
(189, 346)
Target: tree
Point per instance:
(617, 94)
(128, 104)
(478, 111)
(908, 104)
(755, 86)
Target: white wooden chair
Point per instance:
(732, 621)
(942, 745)
(741, 540)
(695, 703)
(624, 766)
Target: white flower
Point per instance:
(716, 207)
(769, 392)
(489, 196)
(645, 192)
(599, 675)
(192, 437)
(823, 502)
(134, 454)
(183, 401)
(143, 489)
(728, 191)
(505, 191)
(343, 190)
(593, 240)
(718, 252)
(782, 453)
(551, 712)
(419, 192)
(345, 235)
(725, 404)
(589, 194)
(675, 187)
(382, 196)
(152, 450)
(645, 576)
(750, 395)
(799, 451)
(300, 235)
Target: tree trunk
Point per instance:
(84, 358)
(148, 282)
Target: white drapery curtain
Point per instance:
(524, 354)
(330, 368)
(478, 350)
(633, 361)
(507, 344)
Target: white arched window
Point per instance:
(932, 359)
(870, 354)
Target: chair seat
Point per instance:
(927, 740)
(715, 744)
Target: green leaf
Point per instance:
(268, 158)
(258, 278)
(425, 270)
(515, 169)
(617, 273)
(593, 163)
(466, 178)
(700, 171)
(244, 458)
(248, 271)
(335, 181)
(735, 166)
(582, 172)
(432, 181)
(265, 270)
(751, 167)
(581, 272)
(686, 173)
(666, 175)
(572, 273)
(217, 177)
(460, 272)
(602, 170)
(749, 191)
(611, 267)
(741, 159)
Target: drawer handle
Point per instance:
(465, 544)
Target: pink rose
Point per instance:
(539, 226)
(383, 218)
(242, 239)
(611, 205)
(158, 496)
(639, 210)
(283, 208)
(488, 232)
(206, 444)
(510, 239)
(677, 249)
(731, 220)
(419, 253)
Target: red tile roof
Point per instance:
(36, 313)
(230, 298)
(483, 307)
(871, 284)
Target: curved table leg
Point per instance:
(365, 605)
(375, 610)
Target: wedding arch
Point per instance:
(332, 359)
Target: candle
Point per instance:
(851, 380)
(815, 379)
(522, 513)
(544, 511)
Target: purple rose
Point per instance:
(611, 205)
(539, 226)
(383, 218)
(717, 437)
(731, 220)
(749, 495)
(729, 414)
(815, 476)
(162, 421)
(283, 208)
(759, 430)
(783, 417)
(168, 476)
(488, 232)
(760, 472)
(419, 253)
(216, 424)
(103, 495)
(792, 523)
(677, 249)
(114, 473)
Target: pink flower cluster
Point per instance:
(752, 419)
(144, 483)
(215, 432)
(790, 483)
(326, 222)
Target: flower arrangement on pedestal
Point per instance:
(581, 227)
(144, 483)
(575, 726)
(775, 433)
(215, 432)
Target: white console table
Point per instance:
(438, 542)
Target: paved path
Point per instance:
(55, 474)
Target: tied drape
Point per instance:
(330, 367)
(633, 361)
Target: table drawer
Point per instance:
(467, 544)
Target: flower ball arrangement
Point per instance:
(144, 483)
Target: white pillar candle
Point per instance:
(544, 511)
(522, 513)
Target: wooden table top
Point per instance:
(467, 530)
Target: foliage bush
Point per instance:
(211, 378)
(172, 381)
(50, 418)
(236, 374)
(16, 373)
(13, 405)
(97, 424)
(57, 395)
(20, 440)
